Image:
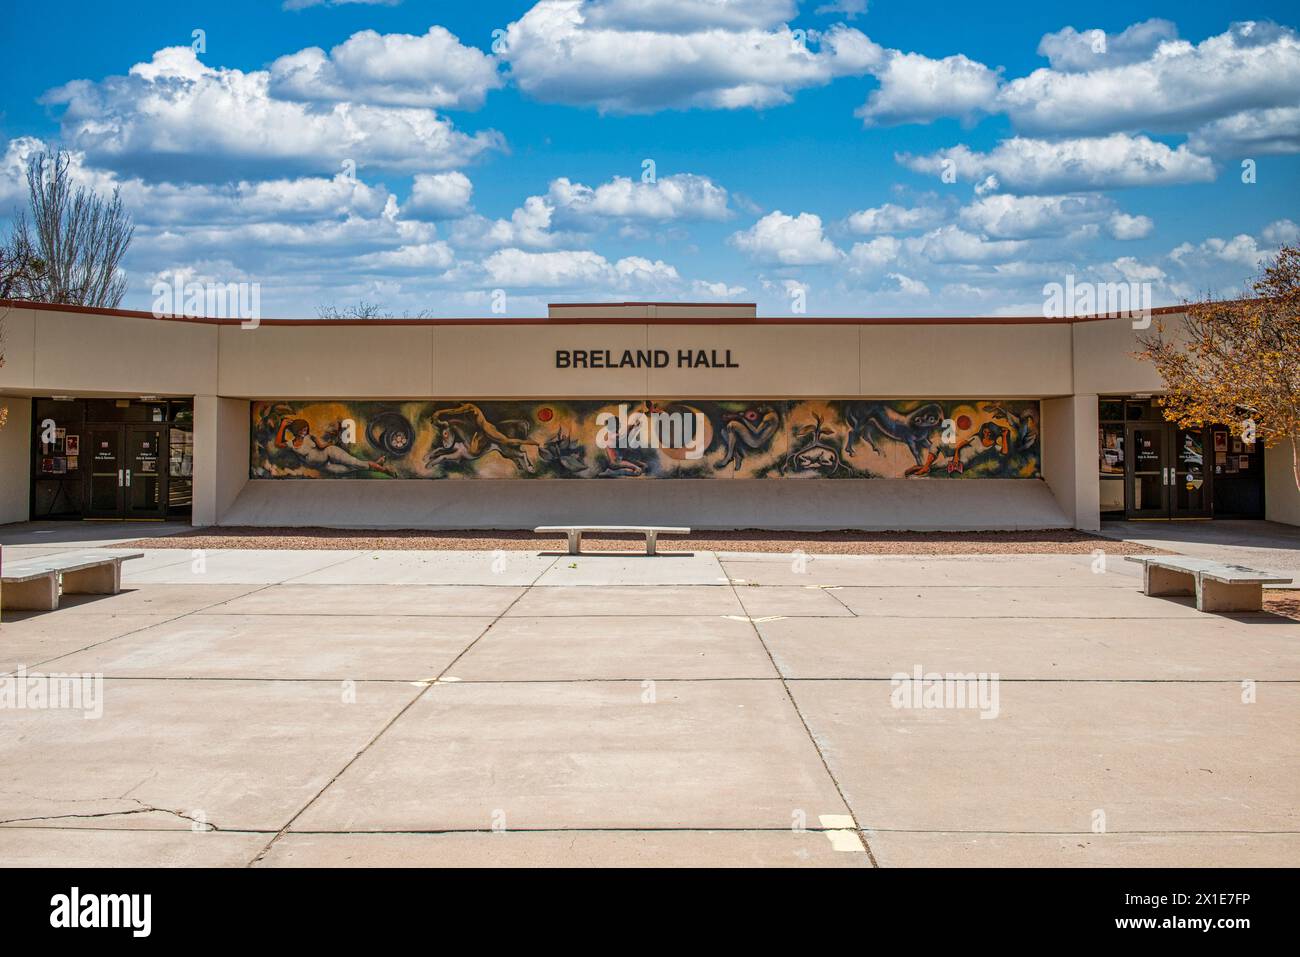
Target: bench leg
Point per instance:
(1168, 582)
(651, 538)
(39, 594)
(1221, 596)
(99, 580)
(575, 543)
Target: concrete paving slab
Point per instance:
(704, 754)
(86, 847)
(626, 600)
(85, 534)
(1212, 647)
(152, 558)
(432, 568)
(245, 754)
(786, 848)
(920, 571)
(630, 648)
(36, 637)
(169, 600)
(216, 566)
(699, 568)
(471, 601)
(947, 849)
(339, 647)
(1265, 546)
(1151, 756)
(969, 601)
(791, 600)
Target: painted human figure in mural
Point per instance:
(746, 432)
(1005, 434)
(463, 433)
(323, 454)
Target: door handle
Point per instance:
(119, 478)
(128, 478)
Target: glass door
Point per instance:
(144, 475)
(1147, 471)
(107, 473)
(1192, 486)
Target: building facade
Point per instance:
(704, 415)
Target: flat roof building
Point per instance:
(675, 413)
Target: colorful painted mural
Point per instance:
(673, 439)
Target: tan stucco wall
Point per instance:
(15, 460)
(53, 352)
(1281, 497)
(50, 352)
(325, 362)
(87, 354)
(1105, 360)
(506, 362)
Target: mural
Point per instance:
(681, 439)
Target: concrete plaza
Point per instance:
(350, 707)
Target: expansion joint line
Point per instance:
(395, 718)
(857, 825)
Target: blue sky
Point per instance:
(389, 153)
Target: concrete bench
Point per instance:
(575, 532)
(1217, 587)
(32, 584)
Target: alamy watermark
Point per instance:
(1113, 300)
(21, 690)
(921, 690)
(652, 430)
(210, 300)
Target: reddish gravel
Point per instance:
(1282, 602)
(1052, 541)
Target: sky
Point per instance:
(839, 157)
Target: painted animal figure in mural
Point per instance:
(1023, 426)
(563, 453)
(321, 452)
(745, 432)
(818, 453)
(918, 429)
(463, 433)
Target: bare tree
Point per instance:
(365, 310)
(76, 237)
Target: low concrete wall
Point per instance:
(812, 504)
(15, 460)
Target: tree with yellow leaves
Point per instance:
(1238, 362)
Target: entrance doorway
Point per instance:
(1165, 472)
(112, 459)
(125, 478)
(1150, 469)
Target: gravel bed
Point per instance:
(1049, 541)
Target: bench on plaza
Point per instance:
(575, 533)
(33, 584)
(1217, 587)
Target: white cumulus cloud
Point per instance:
(393, 69)
(787, 240)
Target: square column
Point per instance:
(1069, 437)
(221, 443)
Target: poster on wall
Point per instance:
(669, 439)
